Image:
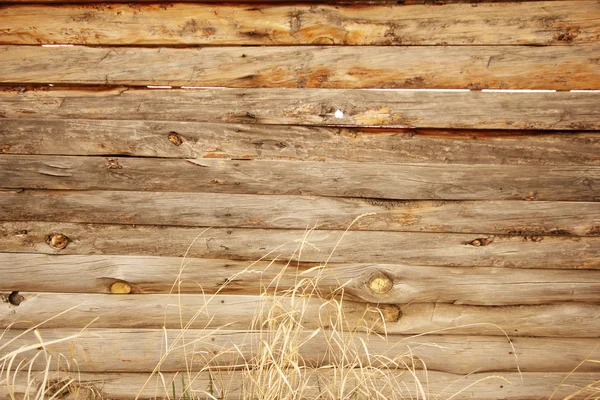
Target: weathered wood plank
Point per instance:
(561, 320)
(433, 249)
(411, 284)
(230, 385)
(237, 312)
(338, 179)
(139, 350)
(391, 108)
(242, 141)
(539, 23)
(233, 312)
(520, 67)
(259, 2)
(531, 218)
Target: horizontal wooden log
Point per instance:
(140, 350)
(433, 249)
(238, 312)
(338, 179)
(561, 320)
(233, 385)
(198, 311)
(520, 67)
(259, 2)
(238, 141)
(409, 284)
(531, 218)
(342, 107)
(539, 23)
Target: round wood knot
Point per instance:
(120, 288)
(175, 139)
(390, 312)
(380, 284)
(15, 298)
(57, 240)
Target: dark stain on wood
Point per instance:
(15, 298)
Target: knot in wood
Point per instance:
(15, 298)
(390, 312)
(57, 240)
(175, 139)
(380, 284)
(113, 163)
(120, 288)
(481, 241)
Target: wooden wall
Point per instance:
(127, 130)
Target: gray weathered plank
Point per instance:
(233, 385)
(243, 141)
(531, 218)
(391, 108)
(473, 67)
(411, 284)
(239, 312)
(339, 179)
(140, 350)
(432, 249)
(538, 22)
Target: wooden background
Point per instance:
(126, 130)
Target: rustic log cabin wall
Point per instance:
(458, 144)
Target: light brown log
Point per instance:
(229, 385)
(198, 311)
(473, 67)
(139, 350)
(337, 2)
(433, 249)
(412, 284)
(390, 108)
(539, 22)
(238, 312)
(208, 140)
(531, 218)
(339, 179)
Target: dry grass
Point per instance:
(269, 365)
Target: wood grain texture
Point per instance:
(237, 312)
(228, 385)
(391, 108)
(539, 23)
(337, 2)
(289, 142)
(232, 312)
(411, 284)
(531, 218)
(433, 249)
(473, 67)
(139, 350)
(338, 179)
